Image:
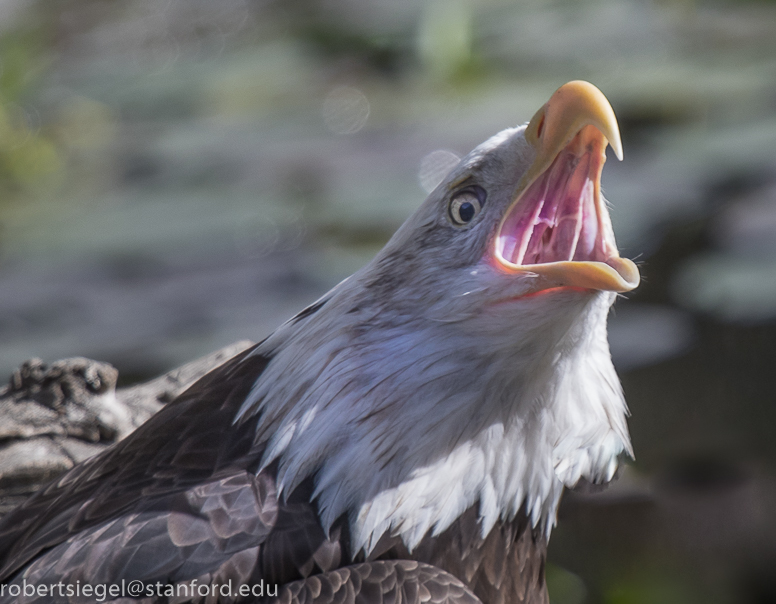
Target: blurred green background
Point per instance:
(176, 175)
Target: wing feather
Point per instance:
(382, 582)
(178, 466)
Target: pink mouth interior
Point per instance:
(557, 218)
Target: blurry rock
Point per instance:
(73, 397)
(54, 416)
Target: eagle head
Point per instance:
(467, 365)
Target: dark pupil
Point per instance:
(466, 211)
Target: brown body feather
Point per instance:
(180, 500)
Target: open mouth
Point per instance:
(559, 226)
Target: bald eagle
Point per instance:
(406, 438)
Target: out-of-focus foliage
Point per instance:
(565, 587)
(651, 590)
(445, 40)
(29, 160)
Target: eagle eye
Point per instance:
(466, 204)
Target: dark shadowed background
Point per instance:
(176, 175)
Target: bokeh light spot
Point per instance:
(434, 167)
(345, 110)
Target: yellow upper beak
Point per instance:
(572, 107)
(571, 110)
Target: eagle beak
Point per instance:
(558, 226)
(572, 107)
